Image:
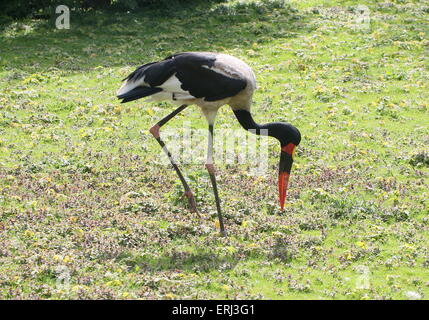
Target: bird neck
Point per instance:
(245, 119)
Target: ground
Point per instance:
(88, 213)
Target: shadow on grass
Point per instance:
(118, 39)
(197, 261)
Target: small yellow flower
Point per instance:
(217, 224)
(113, 283)
(169, 296)
(361, 244)
(28, 233)
(117, 110)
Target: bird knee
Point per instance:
(189, 194)
(155, 131)
(210, 168)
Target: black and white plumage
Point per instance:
(208, 80)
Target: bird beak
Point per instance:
(285, 166)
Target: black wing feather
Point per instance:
(202, 82)
(138, 73)
(137, 93)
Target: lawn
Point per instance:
(87, 210)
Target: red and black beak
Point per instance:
(285, 167)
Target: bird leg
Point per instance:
(155, 132)
(211, 170)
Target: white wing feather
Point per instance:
(130, 85)
(171, 90)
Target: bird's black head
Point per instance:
(284, 132)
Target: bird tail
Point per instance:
(137, 93)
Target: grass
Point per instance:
(86, 213)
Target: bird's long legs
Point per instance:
(155, 132)
(211, 169)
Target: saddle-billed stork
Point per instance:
(208, 80)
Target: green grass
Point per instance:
(81, 197)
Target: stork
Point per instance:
(208, 80)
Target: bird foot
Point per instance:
(192, 203)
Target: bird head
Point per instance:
(289, 138)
